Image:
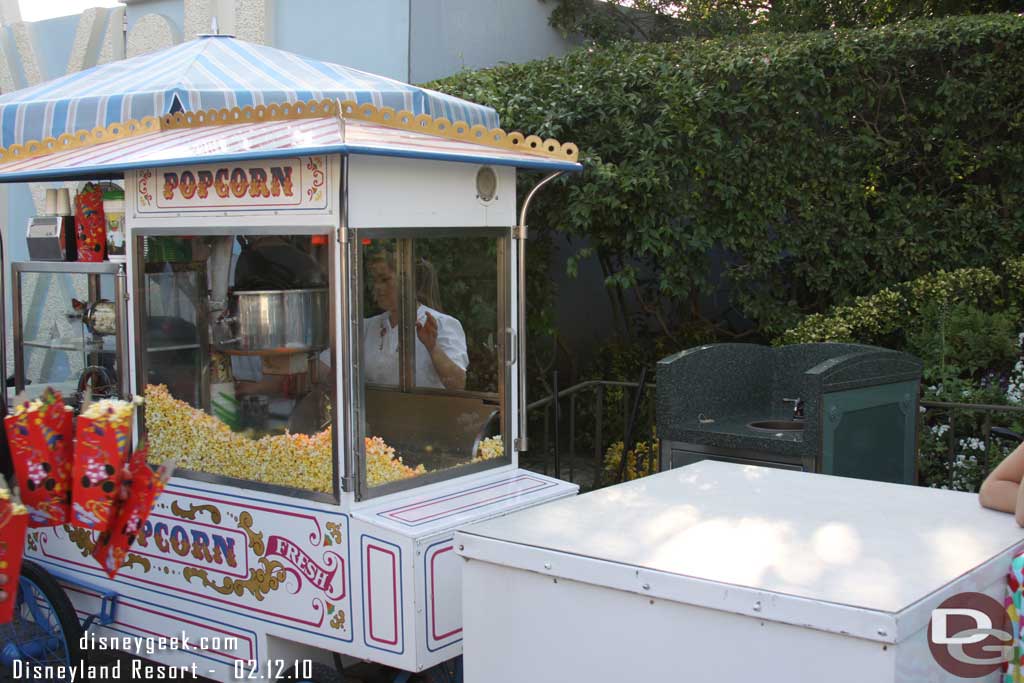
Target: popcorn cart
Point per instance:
(322, 303)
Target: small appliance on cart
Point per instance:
(321, 301)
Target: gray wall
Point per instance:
(448, 36)
(58, 35)
(174, 10)
(409, 40)
(370, 36)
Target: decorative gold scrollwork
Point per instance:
(82, 138)
(135, 559)
(81, 538)
(255, 537)
(265, 579)
(338, 621)
(193, 510)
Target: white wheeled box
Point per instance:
(725, 573)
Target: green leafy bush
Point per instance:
(962, 341)
(659, 20)
(886, 317)
(641, 461)
(818, 166)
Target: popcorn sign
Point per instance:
(235, 182)
(287, 183)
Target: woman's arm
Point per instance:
(1002, 490)
(452, 375)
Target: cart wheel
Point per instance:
(45, 630)
(445, 672)
(321, 673)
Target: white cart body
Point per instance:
(376, 580)
(373, 577)
(727, 573)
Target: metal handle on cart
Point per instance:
(512, 356)
(121, 330)
(521, 442)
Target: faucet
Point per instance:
(798, 407)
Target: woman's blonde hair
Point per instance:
(428, 290)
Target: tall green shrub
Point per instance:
(823, 166)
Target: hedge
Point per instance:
(816, 167)
(874, 319)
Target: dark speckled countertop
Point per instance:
(735, 384)
(733, 432)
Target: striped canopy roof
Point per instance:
(210, 72)
(263, 140)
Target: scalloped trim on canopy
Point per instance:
(386, 116)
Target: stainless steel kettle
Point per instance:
(99, 317)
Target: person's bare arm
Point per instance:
(452, 376)
(1001, 490)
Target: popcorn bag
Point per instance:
(39, 434)
(144, 487)
(13, 526)
(58, 432)
(90, 224)
(102, 439)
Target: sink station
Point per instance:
(843, 409)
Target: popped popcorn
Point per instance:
(490, 448)
(198, 441)
(383, 466)
(112, 409)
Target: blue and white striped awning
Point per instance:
(210, 72)
(263, 140)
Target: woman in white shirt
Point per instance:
(441, 356)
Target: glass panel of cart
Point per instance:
(431, 344)
(235, 356)
(66, 325)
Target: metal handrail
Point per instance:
(571, 393)
(576, 388)
(952, 407)
(976, 407)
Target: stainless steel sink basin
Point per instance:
(777, 425)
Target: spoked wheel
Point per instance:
(445, 672)
(45, 630)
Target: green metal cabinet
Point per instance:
(871, 432)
